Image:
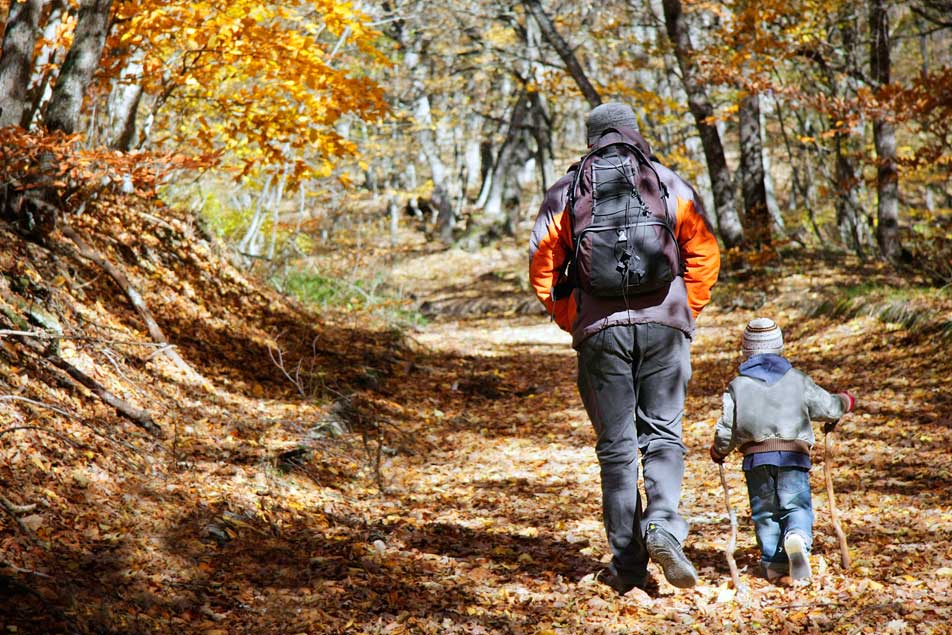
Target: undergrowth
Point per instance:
(358, 295)
(916, 309)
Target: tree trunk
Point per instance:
(542, 132)
(729, 226)
(753, 187)
(48, 60)
(16, 63)
(79, 66)
(564, 51)
(440, 198)
(853, 224)
(884, 136)
(503, 169)
(848, 218)
(124, 104)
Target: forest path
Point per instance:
(508, 497)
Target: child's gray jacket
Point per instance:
(772, 410)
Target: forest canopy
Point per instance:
(812, 122)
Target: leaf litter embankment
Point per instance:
(261, 510)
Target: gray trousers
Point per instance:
(633, 379)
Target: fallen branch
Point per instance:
(134, 414)
(120, 278)
(11, 511)
(48, 335)
(35, 403)
(16, 509)
(16, 569)
(67, 414)
(59, 436)
(34, 334)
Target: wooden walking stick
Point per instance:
(834, 514)
(729, 549)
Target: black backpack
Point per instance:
(622, 234)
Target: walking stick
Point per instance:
(834, 514)
(729, 549)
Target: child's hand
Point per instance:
(717, 458)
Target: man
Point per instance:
(633, 354)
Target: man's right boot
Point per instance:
(664, 549)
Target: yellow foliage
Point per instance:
(261, 83)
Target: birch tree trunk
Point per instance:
(884, 136)
(493, 211)
(426, 136)
(124, 104)
(81, 62)
(728, 222)
(16, 63)
(848, 215)
(542, 132)
(48, 60)
(852, 222)
(753, 187)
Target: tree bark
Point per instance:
(853, 225)
(884, 136)
(47, 62)
(438, 172)
(753, 186)
(564, 51)
(848, 217)
(79, 66)
(16, 63)
(728, 222)
(505, 160)
(542, 132)
(124, 105)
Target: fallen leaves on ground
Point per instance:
(364, 482)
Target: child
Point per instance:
(767, 416)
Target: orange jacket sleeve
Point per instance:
(550, 246)
(699, 250)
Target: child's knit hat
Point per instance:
(762, 335)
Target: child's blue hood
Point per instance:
(768, 368)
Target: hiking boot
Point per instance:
(795, 546)
(776, 574)
(665, 550)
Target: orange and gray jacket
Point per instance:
(677, 305)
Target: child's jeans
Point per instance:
(779, 503)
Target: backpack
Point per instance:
(622, 234)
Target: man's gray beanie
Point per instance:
(614, 114)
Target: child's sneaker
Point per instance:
(796, 549)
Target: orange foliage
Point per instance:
(78, 171)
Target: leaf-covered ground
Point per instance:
(333, 477)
